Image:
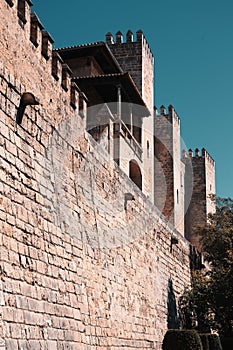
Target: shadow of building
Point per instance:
(172, 315)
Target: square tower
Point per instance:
(202, 196)
(169, 169)
(136, 58)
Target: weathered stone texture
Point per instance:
(202, 203)
(136, 58)
(81, 267)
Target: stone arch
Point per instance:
(135, 173)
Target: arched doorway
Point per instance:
(135, 173)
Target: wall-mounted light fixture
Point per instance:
(27, 99)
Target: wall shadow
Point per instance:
(173, 321)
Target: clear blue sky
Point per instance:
(192, 41)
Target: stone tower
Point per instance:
(169, 170)
(202, 203)
(136, 58)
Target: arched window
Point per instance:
(135, 173)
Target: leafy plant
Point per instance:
(209, 303)
(181, 340)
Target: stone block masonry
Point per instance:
(80, 267)
(202, 201)
(87, 289)
(136, 58)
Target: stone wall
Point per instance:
(86, 260)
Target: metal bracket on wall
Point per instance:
(27, 99)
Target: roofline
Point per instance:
(94, 44)
(123, 74)
(100, 43)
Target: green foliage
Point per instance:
(204, 341)
(227, 343)
(214, 342)
(181, 340)
(210, 341)
(194, 307)
(217, 236)
(209, 304)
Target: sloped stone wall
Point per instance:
(86, 260)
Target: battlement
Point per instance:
(171, 115)
(10, 3)
(42, 50)
(207, 156)
(140, 38)
(197, 155)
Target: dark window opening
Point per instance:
(148, 148)
(135, 173)
(137, 133)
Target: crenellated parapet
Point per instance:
(171, 114)
(47, 45)
(42, 55)
(23, 10)
(207, 156)
(140, 38)
(35, 30)
(135, 57)
(10, 3)
(57, 62)
(200, 180)
(198, 155)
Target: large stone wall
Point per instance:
(86, 260)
